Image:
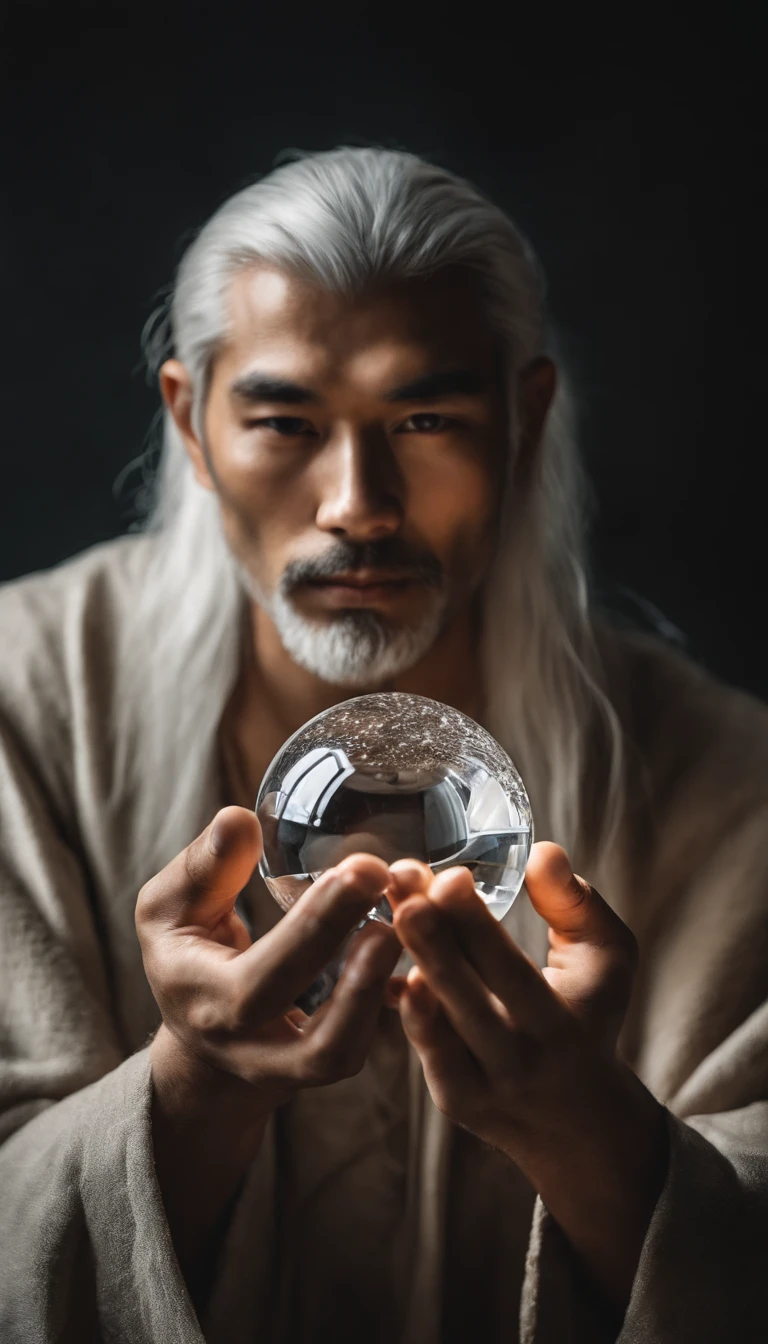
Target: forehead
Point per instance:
(291, 324)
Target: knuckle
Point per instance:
(582, 891)
(149, 903)
(328, 1063)
(235, 1013)
(324, 1063)
(351, 892)
(196, 871)
(453, 1105)
(308, 1073)
(203, 1016)
(209, 1015)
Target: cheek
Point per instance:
(261, 497)
(249, 477)
(263, 507)
(454, 503)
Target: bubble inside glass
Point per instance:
(398, 776)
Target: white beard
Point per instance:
(357, 648)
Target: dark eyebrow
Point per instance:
(255, 387)
(261, 387)
(453, 382)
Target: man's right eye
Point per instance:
(289, 425)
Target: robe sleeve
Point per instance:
(85, 1249)
(701, 1274)
(700, 1279)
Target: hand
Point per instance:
(228, 1004)
(500, 1040)
(526, 1059)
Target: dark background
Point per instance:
(633, 163)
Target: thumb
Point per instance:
(593, 954)
(574, 910)
(202, 883)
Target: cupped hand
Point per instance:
(228, 1003)
(508, 1049)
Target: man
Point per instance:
(369, 482)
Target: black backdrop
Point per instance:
(634, 168)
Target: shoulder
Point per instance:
(59, 629)
(695, 832)
(692, 872)
(682, 722)
(42, 611)
(44, 599)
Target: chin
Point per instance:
(359, 650)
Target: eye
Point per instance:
(427, 422)
(291, 426)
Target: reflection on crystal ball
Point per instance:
(398, 776)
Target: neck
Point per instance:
(449, 672)
(274, 696)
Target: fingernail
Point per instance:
(557, 862)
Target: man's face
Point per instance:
(357, 448)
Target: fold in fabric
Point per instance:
(366, 1215)
(700, 1279)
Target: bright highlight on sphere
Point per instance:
(398, 776)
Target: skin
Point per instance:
(360, 472)
(525, 1059)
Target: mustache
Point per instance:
(345, 557)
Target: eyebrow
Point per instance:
(263, 387)
(451, 382)
(260, 387)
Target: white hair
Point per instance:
(343, 218)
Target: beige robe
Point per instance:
(366, 1215)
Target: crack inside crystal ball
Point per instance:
(398, 776)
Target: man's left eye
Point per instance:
(427, 422)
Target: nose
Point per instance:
(361, 495)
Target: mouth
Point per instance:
(361, 588)
(364, 578)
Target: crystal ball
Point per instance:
(398, 776)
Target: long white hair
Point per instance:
(343, 218)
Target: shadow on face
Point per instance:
(357, 445)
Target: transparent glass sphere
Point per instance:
(398, 776)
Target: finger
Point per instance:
(337, 1039)
(422, 1005)
(465, 1000)
(407, 877)
(286, 960)
(502, 966)
(448, 1066)
(593, 955)
(394, 988)
(574, 910)
(201, 884)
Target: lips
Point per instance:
(363, 588)
(363, 579)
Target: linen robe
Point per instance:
(366, 1214)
